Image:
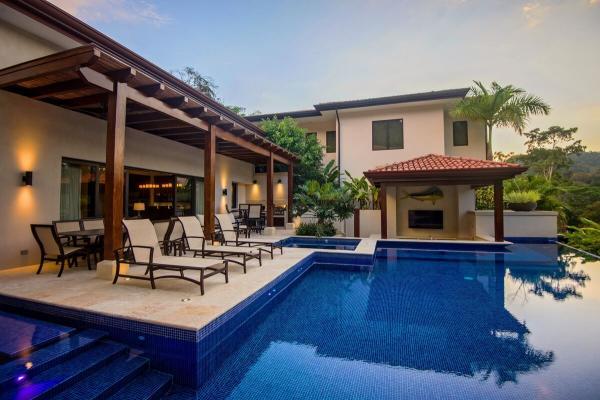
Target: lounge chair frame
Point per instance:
(126, 255)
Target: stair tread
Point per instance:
(45, 357)
(181, 393)
(151, 384)
(21, 334)
(58, 377)
(106, 380)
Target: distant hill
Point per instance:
(586, 168)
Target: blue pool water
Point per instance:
(321, 243)
(519, 323)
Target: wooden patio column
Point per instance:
(210, 155)
(270, 190)
(290, 190)
(383, 207)
(498, 212)
(115, 169)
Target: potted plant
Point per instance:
(522, 200)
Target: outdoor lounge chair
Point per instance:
(230, 236)
(195, 241)
(144, 249)
(53, 249)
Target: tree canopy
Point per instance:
(499, 106)
(550, 151)
(289, 135)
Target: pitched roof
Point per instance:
(403, 98)
(438, 169)
(375, 101)
(436, 162)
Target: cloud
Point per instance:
(130, 11)
(534, 13)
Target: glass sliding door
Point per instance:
(147, 194)
(81, 190)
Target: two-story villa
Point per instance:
(414, 132)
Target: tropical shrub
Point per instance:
(364, 194)
(586, 237)
(326, 202)
(315, 229)
(522, 196)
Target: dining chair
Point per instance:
(52, 248)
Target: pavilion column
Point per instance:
(498, 212)
(210, 155)
(270, 190)
(383, 207)
(115, 169)
(290, 190)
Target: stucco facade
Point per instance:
(36, 136)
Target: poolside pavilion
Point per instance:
(456, 176)
(109, 82)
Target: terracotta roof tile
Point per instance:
(436, 162)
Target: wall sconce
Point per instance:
(27, 178)
(279, 181)
(254, 182)
(225, 192)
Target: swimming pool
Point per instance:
(327, 243)
(425, 324)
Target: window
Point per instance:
(164, 195)
(460, 133)
(388, 135)
(330, 142)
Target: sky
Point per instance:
(288, 55)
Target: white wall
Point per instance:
(18, 46)
(476, 139)
(541, 224)
(257, 193)
(423, 134)
(35, 136)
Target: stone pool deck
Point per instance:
(173, 303)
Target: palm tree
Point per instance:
(499, 106)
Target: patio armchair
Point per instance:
(231, 236)
(255, 219)
(62, 226)
(96, 243)
(196, 242)
(144, 250)
(173, 239)
(53, 249)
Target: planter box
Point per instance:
(534, 224)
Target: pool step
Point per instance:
(47, 357)
(58, 362)
(106, 380)
(21, 335)
(55, 379)
(150, 385)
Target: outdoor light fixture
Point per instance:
(254, 182)
(225, 192)
(279, 180)
(27, 178)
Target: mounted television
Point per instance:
(426, 219)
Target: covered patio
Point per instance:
(127, 91)
(452, 173)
